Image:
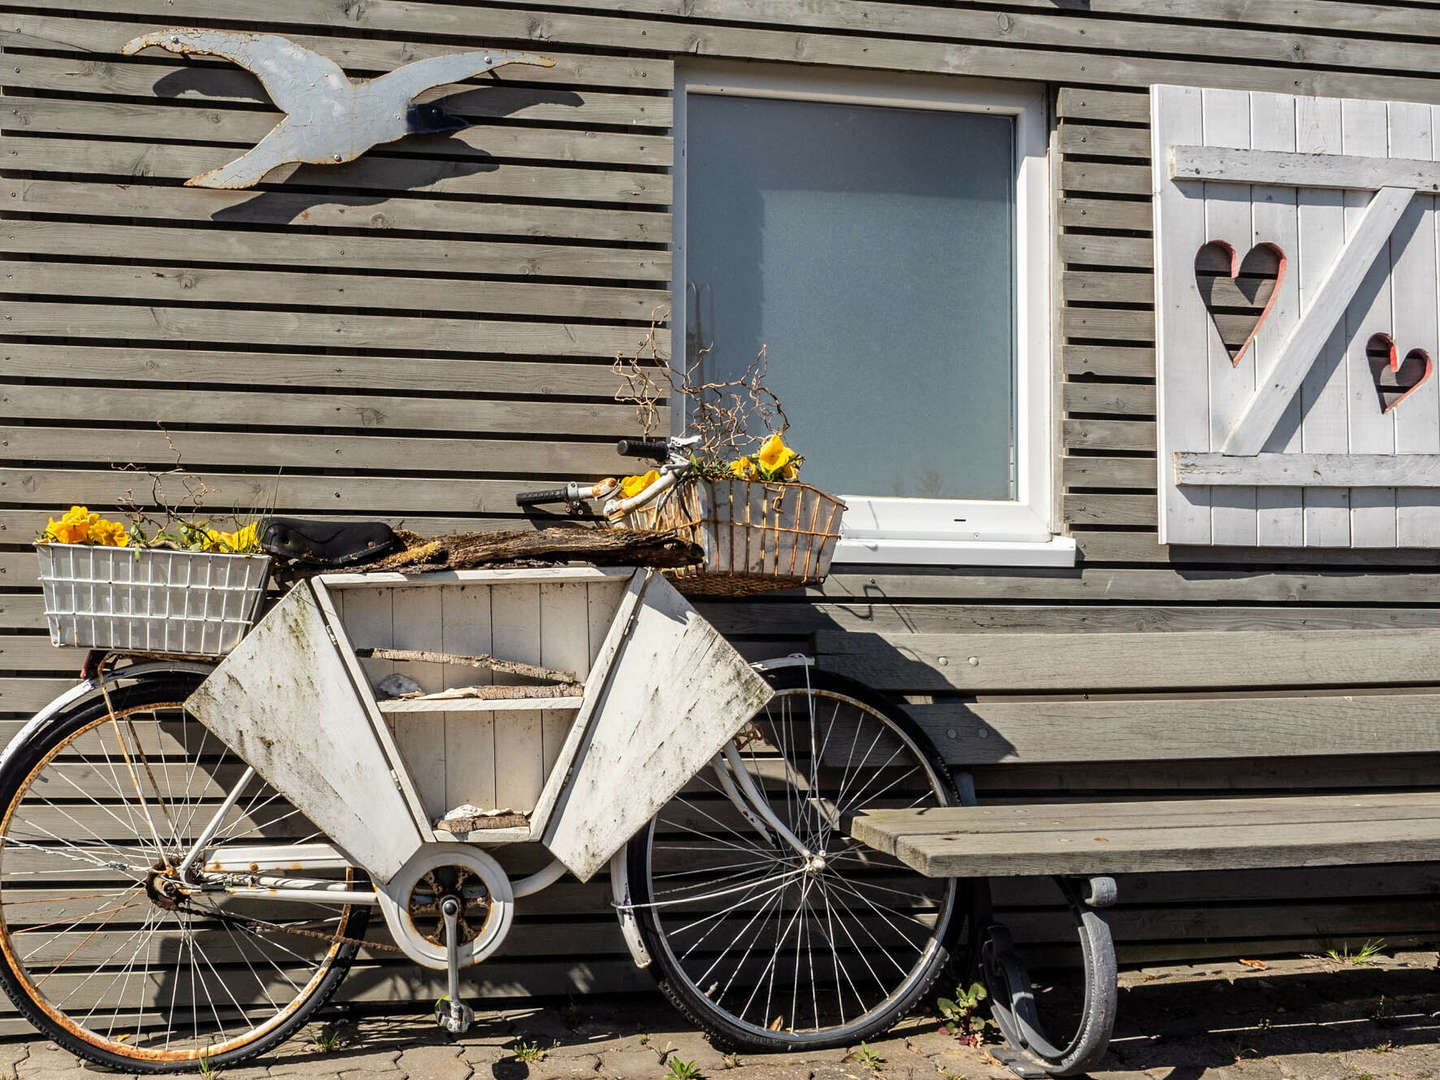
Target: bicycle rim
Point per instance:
(764, 951)
(97, 814)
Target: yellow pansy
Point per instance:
(743, 468)
(109, 534)
(631, 486)
(776, 460)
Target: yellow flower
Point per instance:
(776, 460)
(109, 534)
(631, 486)
(247, 538)
(743, 467)
(65, 532)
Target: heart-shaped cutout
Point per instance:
(1238, 293)
(1396, 379)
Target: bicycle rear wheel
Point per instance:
(98, 811)
(753, 946)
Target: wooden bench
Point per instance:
(1082, 842)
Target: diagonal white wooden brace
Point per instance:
(1309, 335)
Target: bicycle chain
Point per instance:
(252, 921)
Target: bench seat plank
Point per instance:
(1152, 836)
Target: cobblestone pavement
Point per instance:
(1306, 1019)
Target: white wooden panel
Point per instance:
(285, 702)
(564, 646)
(519, 753)
(1279, 513)
(416, 619)
(1325, 429)
(1365, 133)
(676, 693)
(469, 736)
(1181, 322)
(1276, 471)
(1332, 183)
(1225, 121)
(1413, 314)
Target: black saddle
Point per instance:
(327, 544)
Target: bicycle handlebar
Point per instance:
(531, 498)
(658, 449)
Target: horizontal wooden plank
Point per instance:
(239, 128)
(52, 32)
(1101, 287)
(1111, 360)
(1109, 434)
(116, 365)
(298, 211)
(1108, 324)
(1108, 178)
(1141, 546)
(146, 77)
(1078, 212)
(137, 280)
(1310, 470)
(1129, 399)
(272, 450)
(1413, 20)
(228, 327)
(1085, 249)
(1056, 48)
(1347, 831)
(1103, 140)
(1159, 729)
(377, 494)
(1288, 169)
(374, 412)
(375, 171)
(1080, 662)
(1090, 509)
(1108, 472)
(1088, 103)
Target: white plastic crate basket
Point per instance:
(150, 599)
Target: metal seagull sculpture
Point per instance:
(329, 117)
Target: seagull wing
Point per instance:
(250, 167)
(439, 70)
(290, 73)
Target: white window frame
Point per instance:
(928, 531)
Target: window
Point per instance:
(888, 245)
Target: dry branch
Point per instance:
(602, 547)
(483, 660)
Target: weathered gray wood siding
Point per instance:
(419, 334)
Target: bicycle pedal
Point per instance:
(453, 1016)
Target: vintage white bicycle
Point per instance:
(192, 850)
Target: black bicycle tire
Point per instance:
(159, 689)
(677, 989)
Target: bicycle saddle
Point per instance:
(327, 544)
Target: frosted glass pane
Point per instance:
(871, 251)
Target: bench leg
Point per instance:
(1031, 1053)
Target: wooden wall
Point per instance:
(421, 333)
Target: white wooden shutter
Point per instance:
(1306, 440)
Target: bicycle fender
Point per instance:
(620, 897)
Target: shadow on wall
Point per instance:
(451, 157)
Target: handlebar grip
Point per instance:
(659, 449)
(531, 498)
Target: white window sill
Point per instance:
(1057, 551)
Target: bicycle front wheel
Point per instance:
(98, 812)
(763, 950)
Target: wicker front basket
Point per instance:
(756, 536)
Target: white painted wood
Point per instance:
(675, 694)
(564, 646)
(1325, 426)
(1360, 171)
(285, 701)
(415, 616)
(519, 755)
(1279, 512)
(1180, 318)
(1225, 122)
(453, 705)
(451, 577)
(1415, 318)
(1322, 315)
(1365, 131)
(1379, 471)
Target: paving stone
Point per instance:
(434, 1063)
(641, 1063)
(566, 1068)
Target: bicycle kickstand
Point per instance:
(451, 1013)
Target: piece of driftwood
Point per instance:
(470, 818)
(500, 693)
(538, 547)
(483, 660)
